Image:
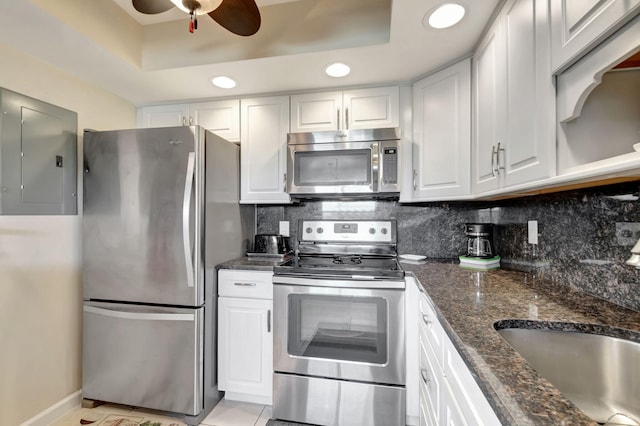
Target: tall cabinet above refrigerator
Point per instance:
(160, 212)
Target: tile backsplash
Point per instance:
(584, 236)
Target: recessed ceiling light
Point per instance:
(337, 69)
(223, 82)
(444, 16)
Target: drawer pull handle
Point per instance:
(245, 284)
(425, 319)
(423, 373)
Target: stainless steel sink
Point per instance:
(599, 374)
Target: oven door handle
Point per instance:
(354, 282)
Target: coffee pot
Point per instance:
(479, 240)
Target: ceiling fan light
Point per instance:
(444, 16)
(202, 6)
(337, 69)
(223, 82)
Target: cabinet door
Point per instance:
(488, 64)
(245, 349)
(264, 128)
(578, 25)
(163, 116)
(219, 117)
(442, 134)
(316, 112)
(374, 108)
(529, 144)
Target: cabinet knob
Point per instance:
(425, 319)
(494, 154)
(425, 378)
(498, 151)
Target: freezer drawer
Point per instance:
(146, 356)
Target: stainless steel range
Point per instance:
(339, 326)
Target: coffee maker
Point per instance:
(479, 240)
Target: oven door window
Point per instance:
(330, 168)
(343, 328)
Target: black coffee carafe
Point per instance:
(479, 240)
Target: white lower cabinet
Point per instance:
(447, 392)
(245, 335)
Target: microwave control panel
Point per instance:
(390, 165)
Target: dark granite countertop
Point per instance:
(469, 302)
(254, 263)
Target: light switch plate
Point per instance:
(284, 228)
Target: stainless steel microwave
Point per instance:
(344, 163)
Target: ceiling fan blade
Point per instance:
(241, 17)
(151, 7)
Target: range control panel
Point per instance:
(370, 231)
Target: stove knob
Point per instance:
(319, 230)
(308, 230)
(384, 231)
(372, 231)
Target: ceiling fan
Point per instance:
(238, 16)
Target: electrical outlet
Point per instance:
(627, 233)
(532, 231)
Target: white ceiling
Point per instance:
(152, 59)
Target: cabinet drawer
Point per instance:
(431, 379)
(471, 402)
(245, 284)
(431, 329)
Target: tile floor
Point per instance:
(226, 413)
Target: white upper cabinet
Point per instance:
(598, 109)
(514, 100)
(442, 135)
(263, 151)
(577, 25)
(163, 116)
(349, 110)
(219, 117)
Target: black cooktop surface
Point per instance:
(343, 265)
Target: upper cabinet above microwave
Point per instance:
(373, 108)
(578, 25)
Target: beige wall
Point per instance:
(40, 259)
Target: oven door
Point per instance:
(333, 168)
(340, 333)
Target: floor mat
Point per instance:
(97, 417)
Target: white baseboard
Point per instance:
(57, 410)
(245, 397)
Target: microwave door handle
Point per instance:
(375, 166)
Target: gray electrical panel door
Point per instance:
(38, 157)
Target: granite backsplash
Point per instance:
(584, 236)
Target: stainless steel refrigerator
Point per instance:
(160, 212)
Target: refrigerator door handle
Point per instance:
(139, 315)
(186, 210)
